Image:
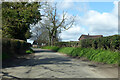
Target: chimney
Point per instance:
(88, 34)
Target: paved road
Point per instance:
(47, 64)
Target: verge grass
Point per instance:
(54, 48)
(97, 55)
(30, 51)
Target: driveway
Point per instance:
(48, 64)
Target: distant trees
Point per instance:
(16, 18)
(54, 23)
(39, 34)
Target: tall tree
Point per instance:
(54, 23)
(16, 18)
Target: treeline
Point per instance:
(14, 47)
(106, 43)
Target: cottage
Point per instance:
(89, 36)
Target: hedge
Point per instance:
(14, 47)
(106, 43)
(68, 44)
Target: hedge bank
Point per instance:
(98, 55)
(107, 43)
(14, 47)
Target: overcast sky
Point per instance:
(95, 18)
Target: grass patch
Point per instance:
(30, 51)
(66, 50)
(54, 48)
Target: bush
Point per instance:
(13, 47)
(62, 44)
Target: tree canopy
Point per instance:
(16, 18)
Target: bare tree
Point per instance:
(54, 23)
(39, 34)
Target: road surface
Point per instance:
(48, 64)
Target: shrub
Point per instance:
(13, 47)
(62, 44)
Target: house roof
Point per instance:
(89, 36)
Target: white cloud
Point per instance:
(101, 23)
(71, 5)
(115, 10)
(73, 33)
(95, 23)
(83, 7)
(85, 0)
(65, 5)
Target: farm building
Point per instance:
(89, 36)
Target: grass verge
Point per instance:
(54, 48)
(30, 51)
(97, 55)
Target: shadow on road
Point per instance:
(13, 77)
(33, 62)
(36, 60)
(41, 50)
